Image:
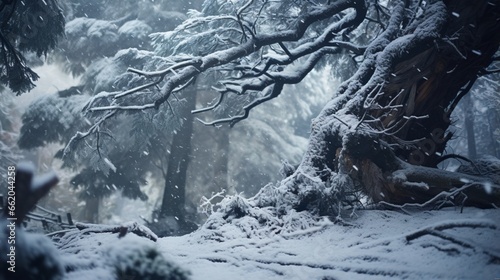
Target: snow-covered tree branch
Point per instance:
(386, 128)
(258, 65)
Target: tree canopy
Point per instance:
(385, 129)
(378, 142)
(27, 27)
(96, 48)
(382, 135)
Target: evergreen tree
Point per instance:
(55, 119)
(384, 132)
(27, 27)
(101, 49)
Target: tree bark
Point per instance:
(174, 194)
(437, 79)
(391, 118)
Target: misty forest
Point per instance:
(249, 139)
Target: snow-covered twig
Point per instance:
(182, 73)
(123, 229)
(120, 107)
(93, 129)
(433, 202)
(464, 243)
(274, 92)
(217, 103)
(207, 206)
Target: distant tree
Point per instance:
(384, 132)
(98, 29)
(26, 27)
(485, 107)
(469, 126)
(120, 156)
(52, 119)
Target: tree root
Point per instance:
(429, 188)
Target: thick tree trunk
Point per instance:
(386, 130)
(174, 194)
(436, 75)
(435, 79)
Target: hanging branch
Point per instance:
(122, 230)
(182, 73)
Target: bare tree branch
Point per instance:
(181, 73)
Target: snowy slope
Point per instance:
(374, 246)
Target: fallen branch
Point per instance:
(133, 227)
(437, 187)
(437, 202)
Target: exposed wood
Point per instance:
(431, 81)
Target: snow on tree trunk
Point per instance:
(384, 132)
(395, 111)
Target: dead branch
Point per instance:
(181, 73)
(122, 230)
(437, 202)
(430, 187)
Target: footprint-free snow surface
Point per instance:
(444, 244)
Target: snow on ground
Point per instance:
(374, 246)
